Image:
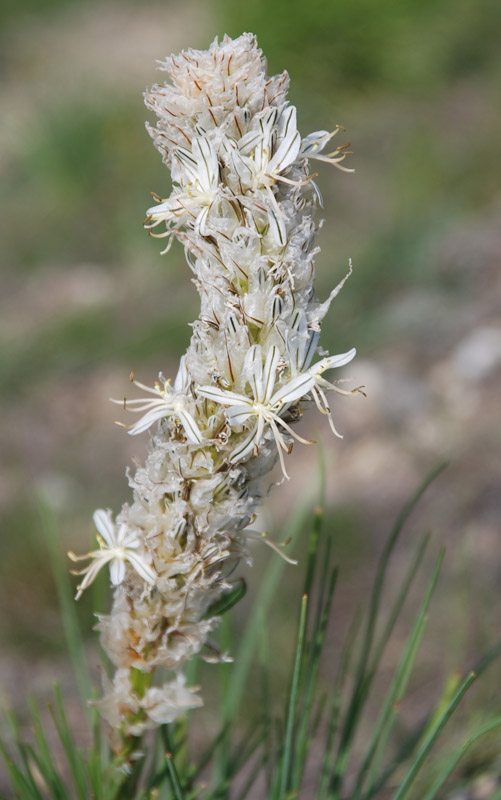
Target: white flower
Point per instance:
(265, 404)
(171, 402)
(314, 143)
(257, 160)
(116, 547)
(199, 179)
(317, 390)
(262, 155)
(165, 703)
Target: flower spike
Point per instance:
(242, 207)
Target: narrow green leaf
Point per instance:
(40, 738)
(305, 722)
(19, 782)
(228, 600)
(73, 755)
(248, 646)
(251, 779)
(171, 767)
(328, 761)
(398, 604)
(205, 759)
(457, 756)
(417, 736)
(264, 674)
(291, 710)
(313, 550)
(432, 737)
(396, 691)
(361, 686)
(52, 780)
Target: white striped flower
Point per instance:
(301, 346)
(169, 402)
(266, 151)
(198, 174)
(268, 400)
(321, 385)
(313, 144)
(118, 544)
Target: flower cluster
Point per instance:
(241, 205)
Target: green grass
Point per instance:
(360, 759)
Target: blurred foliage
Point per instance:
(362, 46)
(77, 173)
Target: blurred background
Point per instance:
(85, 297)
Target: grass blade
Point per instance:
(398, 604)
(456, 758)
(361, 685)
(395, 694)
(73, 755)
(171, 767)
(311, 683)
(328, 761)
(244, 658)
(432, 737)
(23, 785)
(291, 710)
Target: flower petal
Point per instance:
(142, 568)
(293, 390)
(238, 415)
(105, 526)
(117, 571)
(190, 427)
(270, 373)
(222, 396)
(333, 361)
(152, 416)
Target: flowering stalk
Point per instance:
(241, 205)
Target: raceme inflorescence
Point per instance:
(241, 205)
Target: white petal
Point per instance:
(246, 448)
(222, 396)
(333, 361)
(293, 390)
(208, 167)
(277, 229)
(290, 145)
(270, 373)
(162, 209)
(253, 370)
(142, 568)
(182, 381)
(127, 537)
(240, 165)
(190, 427)
(117, 571)
(249, 141)
(201, 221)
(105, 526)
(317, 315)
(189, 163)
(152, 416)
(238, 415)
(315, 142)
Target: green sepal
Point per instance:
(228, 600)
(140, 681)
